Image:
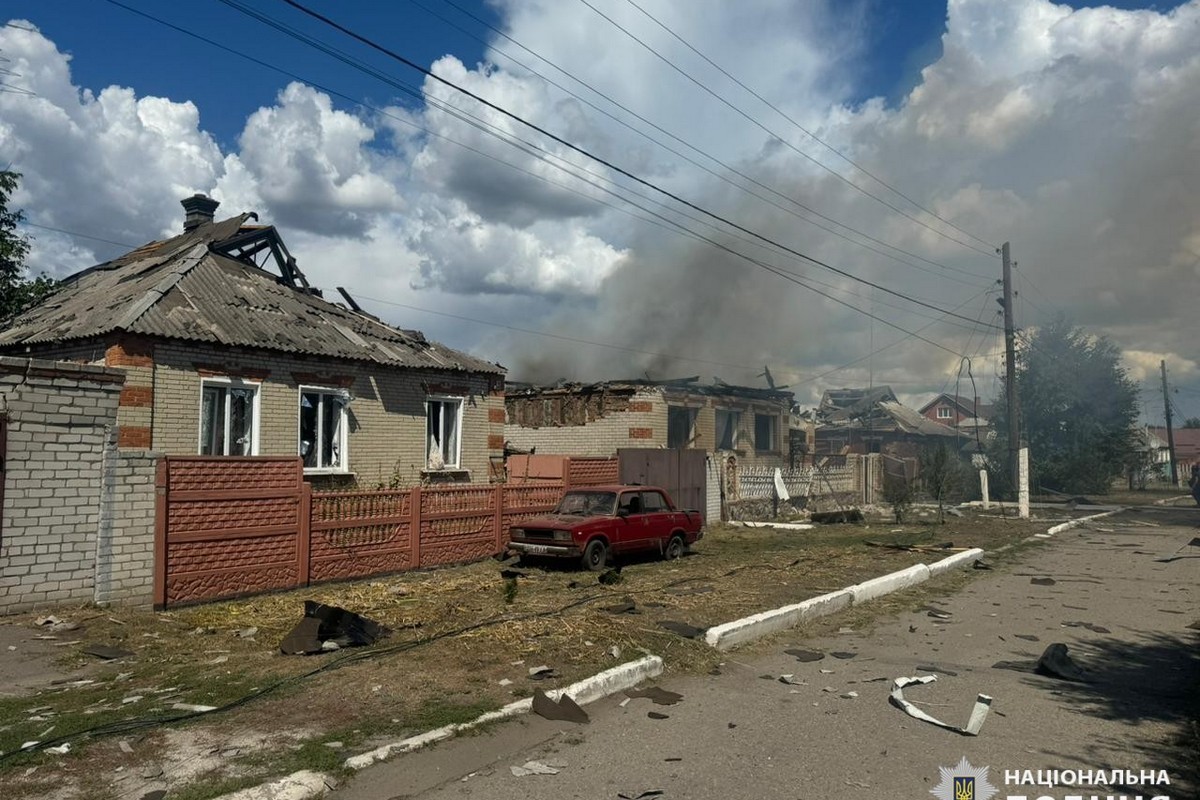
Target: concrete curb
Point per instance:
(786, 526)
(301, 785)
(886, 584)
(602, 684)
(740, 631)
(1075, 523)
(955, 561)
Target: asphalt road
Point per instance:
(742, 735)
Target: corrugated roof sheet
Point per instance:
(181, 289)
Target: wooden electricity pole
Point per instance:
(1010, 372)
(1170, 433)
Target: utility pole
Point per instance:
(1170, 433)
(1010, 371)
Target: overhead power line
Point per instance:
(777, 137)
(806, 131)
(581, 150)
(722, 176)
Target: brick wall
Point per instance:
(59, 419)
(387, 414)
(125, 539)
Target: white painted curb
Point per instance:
(300, 785)
(1075, 523)
(955, 561)
(786, 526)
(740, 631)
(886, 584)
(602, 684)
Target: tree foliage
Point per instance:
(943, 475)
(17, 290)
(1192, 422)
(1078, 407)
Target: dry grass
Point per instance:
(456, 638)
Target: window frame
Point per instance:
(773, 444)
(459, 403)
(343, 422)
(735, 438)
(693, 417)
(949, 412)
(228, 383)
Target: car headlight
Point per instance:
(562, 536)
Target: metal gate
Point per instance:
(681, 472)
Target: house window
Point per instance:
(323, 429)
(727, 429)
(680, 424)
(944, 412)
(764, 433)
(443, 429)
(228, 418)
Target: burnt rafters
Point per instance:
(247, 244)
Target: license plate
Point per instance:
(536, 549)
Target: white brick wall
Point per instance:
(59, 416)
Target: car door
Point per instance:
(631, 523)
(659, 520)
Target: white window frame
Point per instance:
(949, 412)
(459, 404)
(227, 384)
(343, 436)
(736, 414)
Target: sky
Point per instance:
(815, 187)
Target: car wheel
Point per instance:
(595, 555)
(675, 548)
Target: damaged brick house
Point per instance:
(861, 421)
(228, 351)
(600, 418)
(958, 412)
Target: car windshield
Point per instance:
(586, 504)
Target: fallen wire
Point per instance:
(136, 724)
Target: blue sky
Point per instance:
(1061, 128)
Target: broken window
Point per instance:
(228, 418)
(680, 424)
(323, 428)
(727, 428)
(765, 439)
(443, 425)
(944, 412)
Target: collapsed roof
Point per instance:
(690, 385)
(211, 284)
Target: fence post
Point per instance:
(161, 495)
(498, 517)
(304, 543)
(414, 527)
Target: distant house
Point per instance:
(860, 421)
(228, 351)
(958, 412)
(600, 418)
(1187, 447)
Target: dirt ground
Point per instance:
(464, 642)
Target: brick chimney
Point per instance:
(198, 209)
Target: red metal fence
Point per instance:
(236, 526)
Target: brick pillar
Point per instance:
(135, 410)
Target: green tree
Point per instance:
(17, 290)
(1078, 410)
(943, 475)
(1192, 422)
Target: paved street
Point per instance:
(738, 735)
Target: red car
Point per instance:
(596, 522)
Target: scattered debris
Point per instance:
(843, 654)
(930, 668)
(541, 673)
(611, 577)
(323, 624)
(981, 564)
(513, 574)
(505, 682)
(938, 613)
(848, 695)
(1029, 637)
(682, 629)
(690, 590)
(656, 715)
(934, 549)
(1087, 625)
(643, 796)
(1055, 662)
(658, 695)
(564, 709)
(627, 606)
(805, 656)
(614, 651)
(983, 704)
(1043, 581)
(246, 633)
(790, 680)
(533, 768)
(840, 516)
(731, 725)
(105, 652)
(61, 750)
(125, 746)
(199, 709)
